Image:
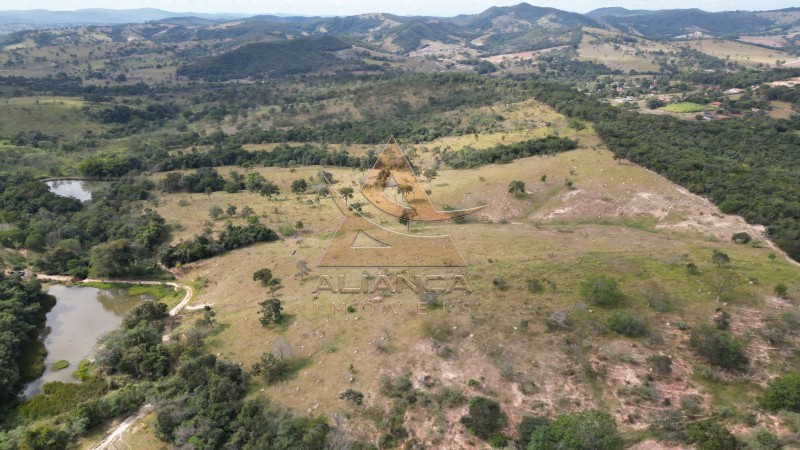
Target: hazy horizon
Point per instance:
(440, 8)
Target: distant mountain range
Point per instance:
(497, 30)
(99, 16)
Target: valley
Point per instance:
(630, 277)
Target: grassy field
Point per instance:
(618, 56)
(685, 107)
(744, 54)
(554, 234)
(54, 116)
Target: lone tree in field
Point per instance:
(516, 187)
(719, 258)
(723, 281)
(214, 212)
(601, 290)
(268, 189)
(406, 216)
(347, 193)
(302, 269)
(271, 311)
(265, 277)
(299, 186)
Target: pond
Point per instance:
(80, 317)
(70, 188)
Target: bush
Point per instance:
(601, 290)
(625, 323)
(660, 365)
(527, 427)
(764, 440)
(485, 417)
(783, 393)
(781, 290)
(719, 347)
(741, 238)
(711, 435)
(722, 320)
(584, 430)
(534, 286)
(270, 367)
(354, 397)
(400, 388)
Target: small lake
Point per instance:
(80, 317)
(70, 188)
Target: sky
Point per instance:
(401, 7)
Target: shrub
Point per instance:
(783, 393)
(400, 388)
(270, 367)
(692, 269)
(625, 323)
(710, 435)
(450, 397)
(660, 365)
(719, 347)
(741, 238)
(534, 286)
(722, 320)
(764, 440)
(527, 427)
(485, 417)
(781, 290)
(354, 397)
(601, 290)
(584, 430)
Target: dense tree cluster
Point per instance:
(67, 231)
(506, 153)
(202, 247)
(23, 306)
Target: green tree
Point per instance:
(719, 258)
(354, 397)
(230, 210)
(485, 417)
(115, 259)
(265, 277)
(253, 181)
(516, 187)
(271, 311)
(346, 192)
(268, 189)
(299, 186)
(584, 430)
(625, 323)
(601, 290)
(783, 393)
(270, 367)
(214, 212)
(781, 290)
(741, 238)
(711, 435)
(719, 347)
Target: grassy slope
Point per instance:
(620, 219)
